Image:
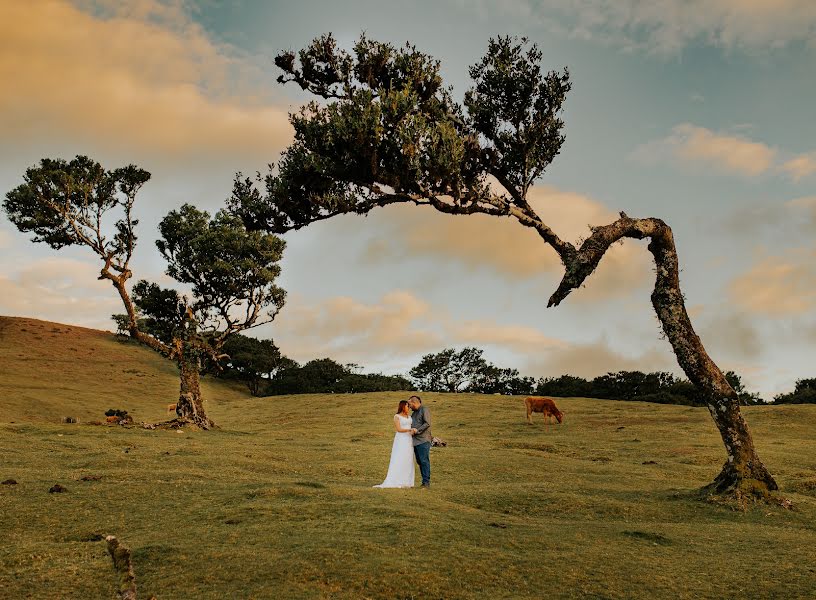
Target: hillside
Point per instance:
(49, 371)
(278, 503)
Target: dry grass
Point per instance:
(278, 503)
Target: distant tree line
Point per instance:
(660, 387)
(266, 372)
(467, 370)
(803, 393)
(260, 365)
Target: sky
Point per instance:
(696, 112)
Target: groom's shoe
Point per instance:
(425, 485)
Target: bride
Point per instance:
(401, 468)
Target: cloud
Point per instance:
(723, 152)
(142, 80)
(699, 146)
(349, 330)
(784, 220)
(397, 326)
(519, 339)
(596, 358)
(60, 289)
(805, 206)
(778, 285)
(731, 334)
(396, 330)
(667, 26)
(800, 166)
(504, 247)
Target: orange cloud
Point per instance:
(398, 325)
(725, 152)
(597, 358)
(698, 145)
(143, 81)
(778, 285)
(60, 289)
(800, 166)
(505, 247)
(346, 329)
(517, 338)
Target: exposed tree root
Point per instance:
(742, 488)
(177, 423)
(124, 567)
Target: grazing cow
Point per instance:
(543, 405)
(171, 408)
(112, 419)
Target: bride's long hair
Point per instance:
(401, 407)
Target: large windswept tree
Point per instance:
(384, 130)
(231, 270)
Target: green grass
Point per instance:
(278, 503)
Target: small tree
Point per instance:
(497, 380)
(386, 131)
(255, 361)
(449, 370)
(232, 274)
(231, 270)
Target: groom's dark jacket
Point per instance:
(421, 421)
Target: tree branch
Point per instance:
(667, 297)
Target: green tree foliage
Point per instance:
(449, 370)
(230, 270)
(496, 380)
(253, 361)
(70, 203)
(803, 393)
(390, 133)
(467, 370)
(328, 376)
(564, 386)
(659, 387)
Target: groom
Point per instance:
(421, 423)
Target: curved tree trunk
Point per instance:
(190, 406)
(743, 474)
(133, 327)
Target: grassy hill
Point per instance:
(49, 371)
(278, 503)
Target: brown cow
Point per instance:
(543, 405)
(112, 419)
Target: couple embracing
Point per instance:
(412, 440)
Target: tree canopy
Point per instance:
(67, 203)
(383, 129)
(389, 132)
(230, 269)
(231, 272)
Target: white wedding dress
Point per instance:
(401, 467)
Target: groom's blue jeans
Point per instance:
(423, 458)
